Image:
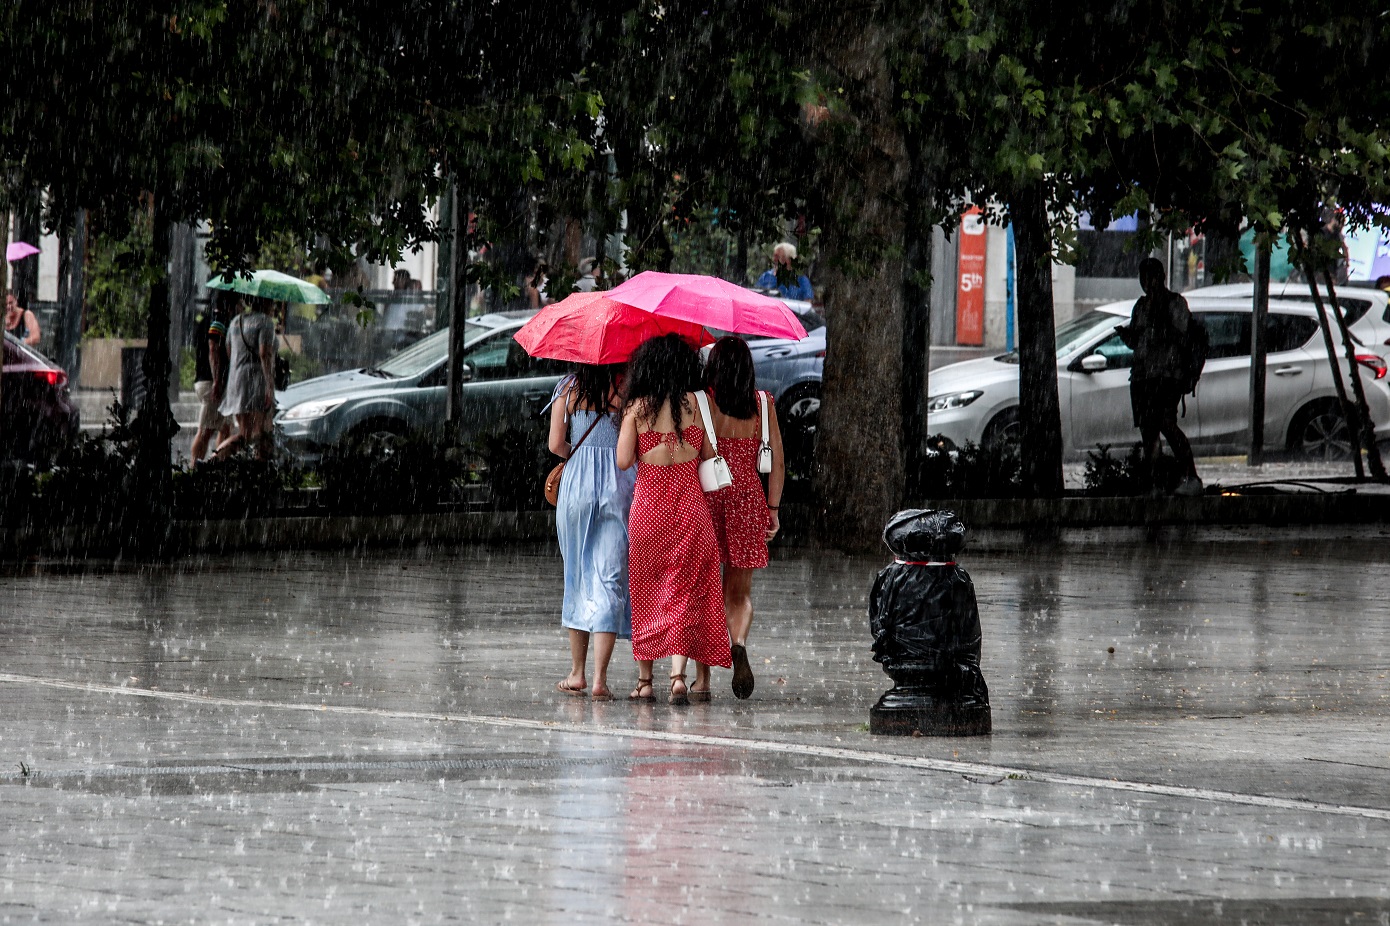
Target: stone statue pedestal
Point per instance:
(923, 711)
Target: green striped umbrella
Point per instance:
(273, 285)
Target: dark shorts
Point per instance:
(1154, 401)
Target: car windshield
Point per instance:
(1074, 333)
(419, 357)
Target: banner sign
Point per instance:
(970, 281)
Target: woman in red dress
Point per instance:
(673, 560)
(745, 519)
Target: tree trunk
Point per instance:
(1358, 391)
(916, 344)
(859, 442)
(1040, 416)
(1349, 411)
(152, 501)
(28, 227)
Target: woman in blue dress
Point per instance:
(591, 520)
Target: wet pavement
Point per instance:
(1181, 736)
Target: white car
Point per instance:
(1367, 310)
(977, 401)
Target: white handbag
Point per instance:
(765, 448)
(714, 472)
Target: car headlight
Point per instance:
(306, 410)
(949, 400)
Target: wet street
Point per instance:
(1180, 736)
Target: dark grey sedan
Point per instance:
(504, 388)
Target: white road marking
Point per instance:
(974, 769)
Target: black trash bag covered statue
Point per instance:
(926, 629)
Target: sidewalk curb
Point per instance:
(993, 524)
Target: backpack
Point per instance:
(1195, 346)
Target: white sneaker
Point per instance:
(1190, 487)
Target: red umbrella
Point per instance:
(591, 328)
(709, 301)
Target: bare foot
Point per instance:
(571, 685)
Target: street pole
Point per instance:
(458, 310)
(1258, 350)
(74, 299)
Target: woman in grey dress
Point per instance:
(250, 396)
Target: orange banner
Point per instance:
(970, 280)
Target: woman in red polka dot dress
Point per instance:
(673, 560)
(745, 519)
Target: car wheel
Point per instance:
(1003, 430)
(1320, 432)
(375, 439)
(799, 413)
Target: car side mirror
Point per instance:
(1094, 363)
(465, 373)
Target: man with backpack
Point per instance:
(1169, 350)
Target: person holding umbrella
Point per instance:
(21, 322)
(673, 559)
(594, 495)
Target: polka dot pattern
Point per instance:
(740, 512)
(673, 561)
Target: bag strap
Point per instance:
(703, 402)
(762, 406)
(598, 416)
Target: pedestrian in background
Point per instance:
(591, 516)
(1157, 334)
(21, 322)
(250, 397)
(673, 558)
(210, 373)
(782, 257)
(745, 518)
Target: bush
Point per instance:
(241, 487)
(415, 474)
(969, 472)
(1107, 476)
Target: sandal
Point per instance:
(699, 695)
(601, 694)
(682, 697)
(643, 684)
(564, 689)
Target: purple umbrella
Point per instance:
(19, 250)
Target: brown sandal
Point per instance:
(649, 697)
(684, 696)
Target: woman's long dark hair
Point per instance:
(594, 384)
(662, 370)
(729, 374)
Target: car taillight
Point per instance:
(1373, 363)
(819, 353)
(59, 378)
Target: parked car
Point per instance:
(1367, 310)
(977, 400)
(792, 370)
(37, 416)
(503, 388)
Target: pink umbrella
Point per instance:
(591, 328)
(18, 250)
(711, 302)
